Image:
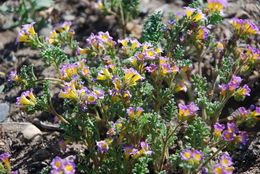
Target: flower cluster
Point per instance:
(232, 88)
(60, 33)
(231, 133)
(130, 151)
(224, 166)
(99, 44)
(195, 15)
(244, 27)
(216, 5)
(192, 156)
(62, 166)
(250, 56)
(187, 111)
(249, 116)
(132, 112)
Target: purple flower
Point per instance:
(218, 128)
(245, 90)
(27, 98)
(234, 83)
(223, 89)
(91, 98)
(244, 27)
(218, 169)
(202, 33)
(65, 26)
(197, 156)
(57, 163)
(226, 160)
(240, 112)
(242, 137)
(151, 68)
(228, 136)
(69, 167)
(145, 148)
(13, 77)
(232, 127)
(186, 154)
(5, 157)
(102, 146)
(187, 110)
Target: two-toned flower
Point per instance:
(224, 166)
(216, 5)
(26, 99)
(131, 77)
(26, 34)
(244, 27)
(102, 146)
(192, 156)
(133, 112)
(195, 15)
(187, 111)
(60, 165)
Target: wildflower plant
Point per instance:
(142, 106)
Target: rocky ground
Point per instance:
(34, 140)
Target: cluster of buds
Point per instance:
(224, 166)
(187, 111)
(230, 134)
(232, 88)
(244, 27)
(62, 166)
(130, 151)
(192, 156)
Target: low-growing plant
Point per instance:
(123, 10)
(142, 107)
(26, 11)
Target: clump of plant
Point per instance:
(123, 10)
(141, 107)
(26, 11)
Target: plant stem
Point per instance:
(53, 111)
(165, 145)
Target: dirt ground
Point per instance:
(31, 153)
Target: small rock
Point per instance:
(41, 155)
(30, 131)
(4, 111)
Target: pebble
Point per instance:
(30, 132)
(4, 111)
